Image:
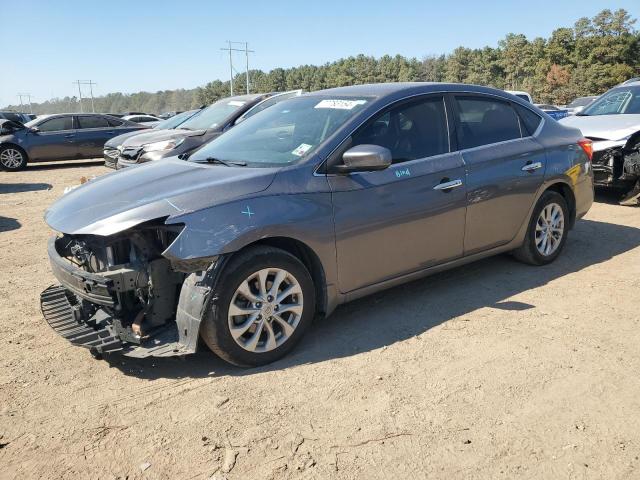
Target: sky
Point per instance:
(131, 46)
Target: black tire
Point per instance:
(528, 252)
(14, 150)
(215, 330)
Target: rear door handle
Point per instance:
(530, 167)
(448, 185)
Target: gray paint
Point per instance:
(369, 230)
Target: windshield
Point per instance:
(174, 121)
(621, 100)
(211, 116)
(283, 133)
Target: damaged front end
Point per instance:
(617, 165)
(118, 292)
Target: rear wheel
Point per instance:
(12, 158)
(265, 302)
(547, 232)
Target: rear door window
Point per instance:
(412, 130)
(56, 124)
(483, 121)
(92, 122)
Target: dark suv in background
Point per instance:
(63, 136)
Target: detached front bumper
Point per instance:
(81, 309)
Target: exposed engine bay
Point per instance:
(619, 167)
(119, 292)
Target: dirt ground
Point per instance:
(493, 370)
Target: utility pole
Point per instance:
(246, 51)
(80, 94)
(28, 95)
(246, 54)
(91, 84)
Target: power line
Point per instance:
(246, 51)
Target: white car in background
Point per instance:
(612, 122)
(520, 94)
(148, 120)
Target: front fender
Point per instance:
(223, 229)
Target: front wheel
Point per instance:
(12, 158)
(547, 232)
(265, 301)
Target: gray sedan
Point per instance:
(308, 204)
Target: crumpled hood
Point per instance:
(609, 127)
(153, 135)
(125, 198)
(115, 142)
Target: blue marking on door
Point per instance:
(248, 212)
(403, 172)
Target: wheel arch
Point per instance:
(15, 145)
(309, 259)
(567, 193)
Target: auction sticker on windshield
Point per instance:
(235, 103)
(340, 104)
(301, 149)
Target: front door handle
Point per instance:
(530, 167)
(70, 135)
(448, 185)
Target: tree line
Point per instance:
(586, 59)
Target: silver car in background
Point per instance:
(612, 122)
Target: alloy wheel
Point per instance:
(265, 310)
(11, 158)
(549, 229)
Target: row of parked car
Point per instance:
(259, 213)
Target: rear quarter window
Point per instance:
(528, 119)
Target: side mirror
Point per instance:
(34, 129)
(364, 158)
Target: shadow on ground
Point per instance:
(409, 310)
(7, 224)
(23, 187)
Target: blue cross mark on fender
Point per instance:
(403, 172)
(248, 212)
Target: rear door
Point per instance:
(55, 139)
(400, 220)
(93, 131)
(505, 167)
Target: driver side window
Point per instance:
(412, 130)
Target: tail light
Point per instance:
(587, 146)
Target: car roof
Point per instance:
(381, 90)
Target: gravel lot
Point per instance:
(492, 370)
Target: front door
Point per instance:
(410, 216)
(55, 139)
(505, 168)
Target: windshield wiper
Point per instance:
(226, 163)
